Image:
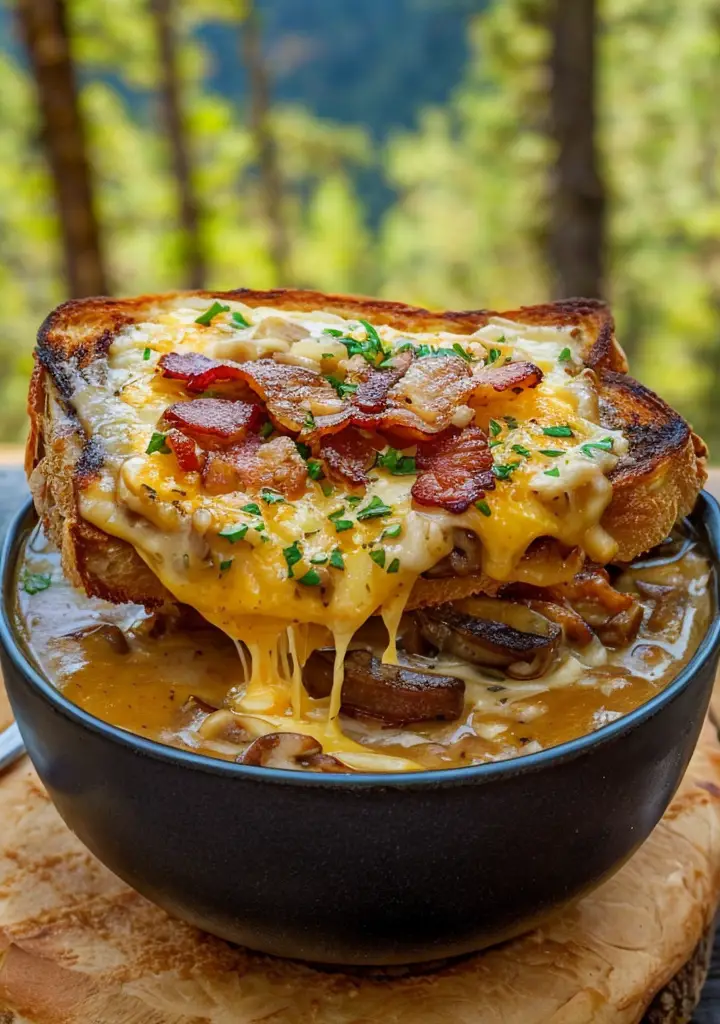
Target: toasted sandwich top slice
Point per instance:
(577, 452)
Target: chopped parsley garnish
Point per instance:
(146, 353)
(334, 332)
(353, 499)
(605, 445)
(304, 449)
(234, 533)
(371, 349)
(460, 351)
(238, 320)
(252, 508)
(374, 509)
(493, 444)
(520, 449)
(310, 579)
(327, 489)
(511, 422)
(504, 472)
(266, 429)
(342, 387)
(493, 355)
(319, 559)
(555, 471)
(495, 428)
(34, 582)
(309, 421)
(157, 444)
(391, 531)
(565, 356)
(226, 564)
(552, 453)
(482, 506)
(378, 557)
(315, 470)
(271, 497)
(336, 559)
(371, 333)
(339, 523)
(560, 431)
(292, 556)
(394, 565)
(206, 317)
(396, 463)
(327, 355)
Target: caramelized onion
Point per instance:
(487, 631)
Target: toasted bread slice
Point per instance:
(654, 485)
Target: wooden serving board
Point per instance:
(78, 947)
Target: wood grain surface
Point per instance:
(78, 947)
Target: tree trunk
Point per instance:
(577, 228)
(44, 27)
(193, 254)
(271, 188)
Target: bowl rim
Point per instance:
(706, 512)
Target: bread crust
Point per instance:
(654, 485)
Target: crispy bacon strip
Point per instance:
(373, 384)
(215, 422)
(185, 365)
(348, 455)
(455, 470)
(296, 397)
(514, 377)
(198, 371)
(251, 465)
(184, 449)
(423, 402)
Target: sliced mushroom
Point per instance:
(487, 631)
(193, 712)
(619, 630)
(112, 635)
(574, 626)
(669, 605)
(392, 693)
(324, 763)
(222, 725)
(465, 559)
(281, 750)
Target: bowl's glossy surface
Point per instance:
(361, 869)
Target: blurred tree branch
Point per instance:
(577, 221)
(271, 185)
(43, 24)
(165, 17)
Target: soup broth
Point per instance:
(171, 677)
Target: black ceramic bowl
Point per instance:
(361, 869)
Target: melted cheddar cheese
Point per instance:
(285, 577)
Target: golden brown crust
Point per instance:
(654, 485)
(658, 481)
(81, 330)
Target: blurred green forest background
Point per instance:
(454, 153)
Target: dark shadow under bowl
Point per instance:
(361, 869)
